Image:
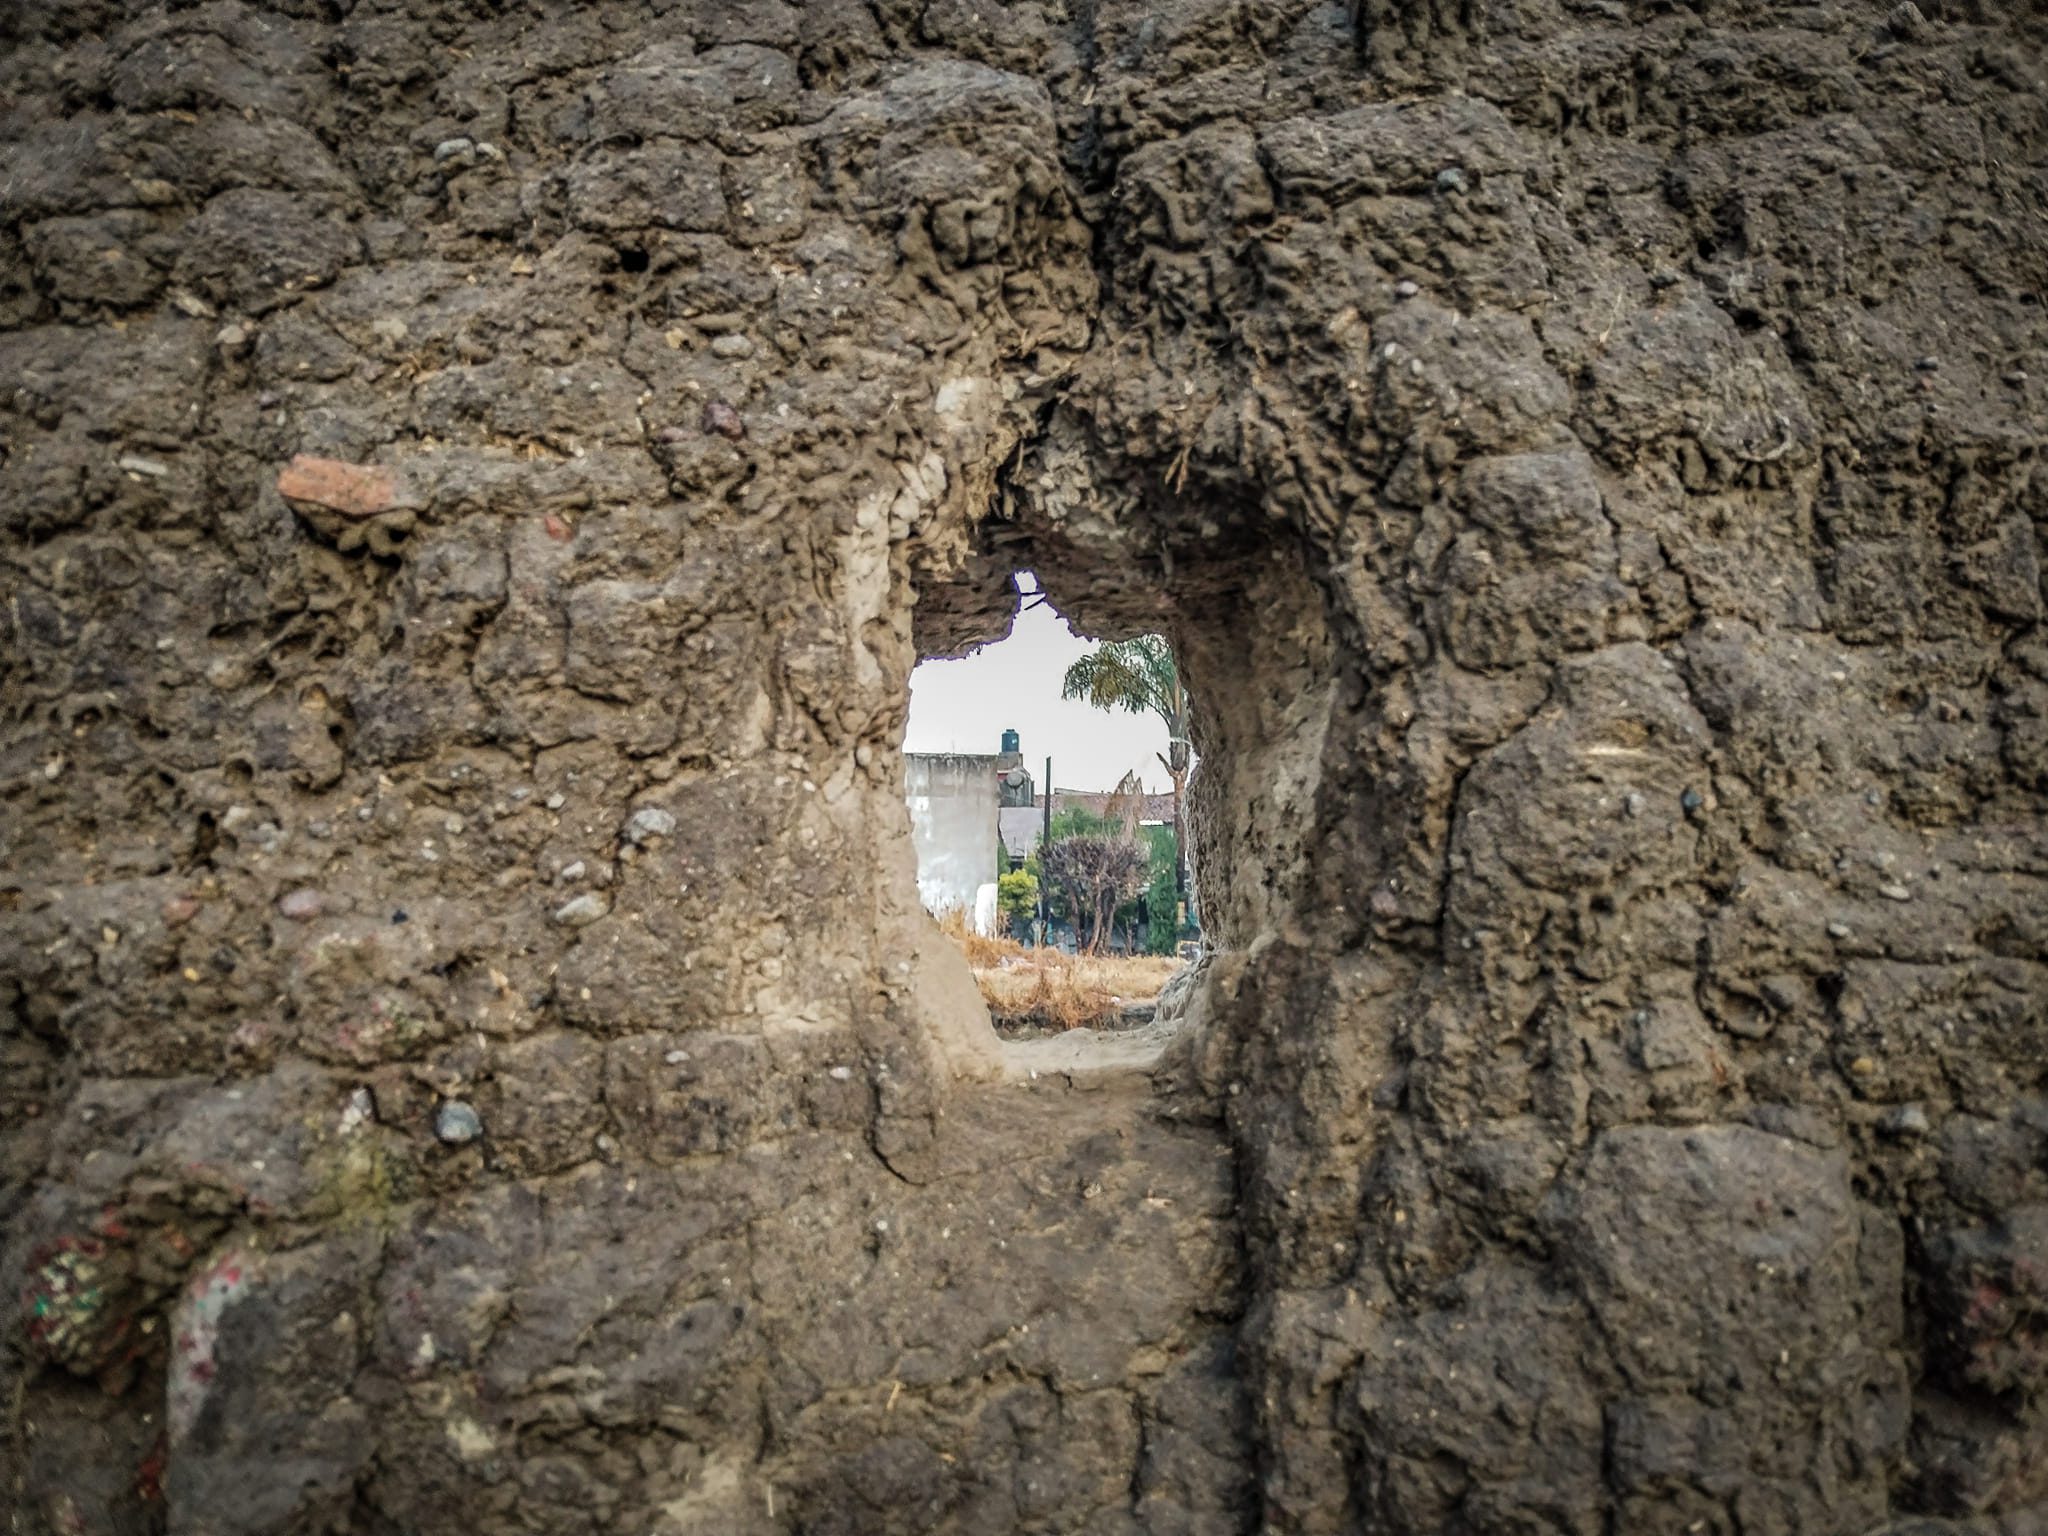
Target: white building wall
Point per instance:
(953, 803)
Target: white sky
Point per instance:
(966, 705)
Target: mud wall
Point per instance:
(476, 480)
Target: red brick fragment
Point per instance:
(357, 490)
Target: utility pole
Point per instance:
(1044, 842)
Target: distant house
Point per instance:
(1022, 827)
(956, 800)
(963, 803)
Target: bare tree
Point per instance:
(1097, 875)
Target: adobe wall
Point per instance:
(473, 1055)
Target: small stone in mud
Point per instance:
(557, 801)
(1450, 179)
(1895, 892)
(733, 346)
(1664, 277)
(301, 906)
(456, 1123)
(1632, 803)
(1406, 289)
(650, 821)
(1926, 364)
(180, 910)
(724, 420)
(1907, 1120)
(1691, 801)
(1838, 930)
(581, 912)
(359, 1111)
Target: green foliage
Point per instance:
(1079, 821)
(1159, 933)
(1140, 675)
(1017, 899)
(1136, 675)
(1163, 931)
(1162, 934)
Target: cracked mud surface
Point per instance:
(475, 483)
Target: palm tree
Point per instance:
(1141, 675)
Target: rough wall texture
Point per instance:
(472, 1056)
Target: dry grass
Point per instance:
(1051, 989)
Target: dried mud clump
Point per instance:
(475, 482)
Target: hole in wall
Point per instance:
(1045, 773)
(1045, 776)
(1246, 607)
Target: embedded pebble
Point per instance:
(572, 871)
(1838, 930)
(1906, 1120)
(360, 1109)
(650, 821)
(1450, 179)
(456, 1123)
(582, 911)
(180, 910)
(1895, 892)
(448, 149)
(556, 801)
(301, 905)
(731, 346)
(721, 418)
(1406, 289)
(1691, 801)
